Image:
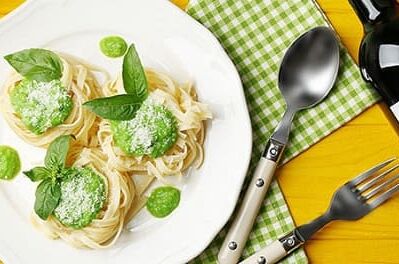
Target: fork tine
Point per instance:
(370, 172)
(385, 196)
(375, 190)
(374, 180)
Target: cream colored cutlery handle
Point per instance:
(269, 255)
(237, 236)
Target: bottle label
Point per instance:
(395, 110)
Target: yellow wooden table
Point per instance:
(366, 140)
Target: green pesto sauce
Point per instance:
(83, 195)
(113, 46)
(152, 132)
(10, 164)
(41, 105)
(163, 200)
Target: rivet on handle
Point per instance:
(261, 260)
(290, 242)
(260, 182)
(273, 150)
(233, 245)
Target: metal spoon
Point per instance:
(307, 74)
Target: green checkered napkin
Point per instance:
(256, 33)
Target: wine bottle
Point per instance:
(379, 49)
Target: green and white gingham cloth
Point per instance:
(256, 34)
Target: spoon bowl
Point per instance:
(307, 74)
(309, 69)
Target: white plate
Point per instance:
(169, 40)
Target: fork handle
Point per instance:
(288, 243)
(275, 251)
(234, 243)
(306, 231)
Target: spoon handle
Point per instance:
(238, 233)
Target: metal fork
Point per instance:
(351, 201)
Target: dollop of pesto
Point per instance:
(113, 46)
(41, 105)
(163, 200)
(151, 132)
(83, 195)
(10, 164)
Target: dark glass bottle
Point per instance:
(379, 50)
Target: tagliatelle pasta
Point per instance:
(118, 210)
(190, 114)
(79, 80)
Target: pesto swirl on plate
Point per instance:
(82, 197)
(151, 132)
(41, 105)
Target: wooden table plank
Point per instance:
(8, 5)
(310, 179)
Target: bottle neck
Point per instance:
(371, 12)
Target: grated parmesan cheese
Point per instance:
(152, 132)
(41, 105)
(82, 197)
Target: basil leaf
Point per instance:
(48, 195)
(57, 152)
(133, 75)
(68, 173)
(38, 174)
(119, 107)
(36, 64)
